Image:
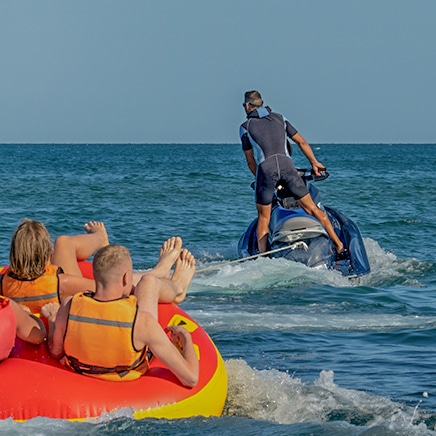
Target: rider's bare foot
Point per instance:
(97, 227)
(168, 255)
(183, 273)
(341, 254)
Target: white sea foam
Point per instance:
(266, 273)
(271, 320)
(279, 397)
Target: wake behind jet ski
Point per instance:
(300, 237)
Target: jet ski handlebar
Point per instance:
(308, 174)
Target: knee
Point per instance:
(263, 219)
(61, 242)
(147, 285)
(263, 215)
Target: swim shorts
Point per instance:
(274, 170)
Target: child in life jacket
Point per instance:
(40, 273)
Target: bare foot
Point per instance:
(183, 273)
(97, 227)
(168, 255)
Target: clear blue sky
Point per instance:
(139, 71)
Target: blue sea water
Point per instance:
(308, 352)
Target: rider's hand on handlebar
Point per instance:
(318, 169)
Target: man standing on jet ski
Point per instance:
(264, 138)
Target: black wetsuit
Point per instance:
(267, 133)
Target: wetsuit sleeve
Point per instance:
(246, 144)
(290, 129)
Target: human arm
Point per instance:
(247, 148)
(318, 167)
(251, 162)
(183, 363)
(57, 317)
(29, 327)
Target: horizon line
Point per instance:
(206, 143)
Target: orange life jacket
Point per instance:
(32, 293)
(99, 338)
(8, 328)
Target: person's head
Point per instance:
(252, 100)
(31, 250)
(111, 264)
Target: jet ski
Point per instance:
(300, 237)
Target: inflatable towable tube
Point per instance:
(33, 384)
(7, 328)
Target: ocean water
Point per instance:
(308, 352)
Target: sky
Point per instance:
(175, 71)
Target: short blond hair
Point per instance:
(31, 250)
(110, 262)
(254, 98)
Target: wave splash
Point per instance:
(265, 273)
(280, 398)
